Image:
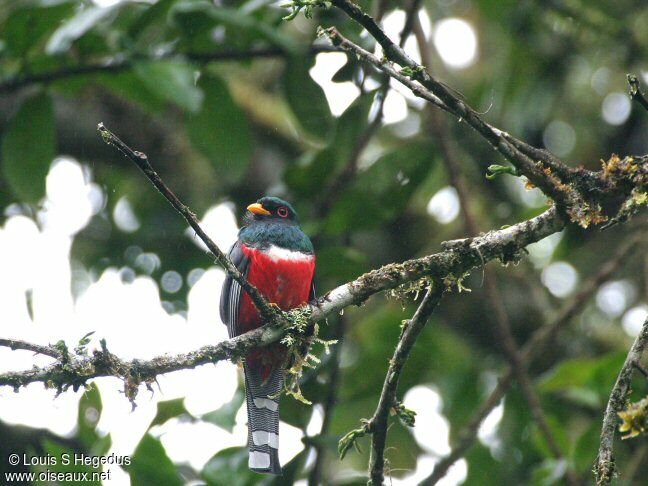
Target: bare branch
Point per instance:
(114, 65)
(387, 402)
(635, 91)
(538, 341)
(605, 467)
(454, 105)
(15, 344)
(141, 160)
(583, 195)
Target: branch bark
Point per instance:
(584, 196)
(605, 467)
(538, 341)
(112, 66)
(635, 91)
(387, 402)
(459, 257)
(140, 159)
(15, 344)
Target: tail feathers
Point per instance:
(263, 420)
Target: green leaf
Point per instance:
(26, 27)
(196, 18)
(586, 448)
(220, 130)
(90, 408)
(346, 72)
(169, 409)
(128, 86)
(314, 171)
(171, 81)
(75, 27)
(28, 147)
(583, 378)
(151, 465)
(65, 463)
(311, 173)
(350, 127)
(229, 466)
(549, 472)
(306, 98)
(341, 263)
(384, 189)
(225, 416)
(290, 471)
(153, 17)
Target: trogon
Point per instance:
(277, 258)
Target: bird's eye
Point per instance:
(282, 211)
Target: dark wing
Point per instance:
(231, 291)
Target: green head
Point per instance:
(273, 208)
(273, 221)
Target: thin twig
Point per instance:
(334, 190)
(141, 160)
(112, 66)
(345, 176)
(605, 468)
(451, 155)
(519, 366)
(576, 192)
(538, 341)
(635, 91)
(456, 106)
(378, 423)
(14, 344)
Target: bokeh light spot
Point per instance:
(444, 205)
(456, 41)
(560, 278)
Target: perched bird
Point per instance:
(277, 258)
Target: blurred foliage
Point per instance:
(221, 100)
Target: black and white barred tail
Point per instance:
(263, 420)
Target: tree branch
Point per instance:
(387, 402)
(455, 105)
(458, 259)
(141, 160)
(75, 370)
(538, 341)
(573, 190)
(605, 466)
(15, 344)
(326, 202)
(112, 65)
(450, 155)
(635, 91)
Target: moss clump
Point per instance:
(299, 338)
(634, 419)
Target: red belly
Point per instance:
(286, 283)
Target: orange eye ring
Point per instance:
(283, 212)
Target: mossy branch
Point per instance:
(605, 467)
(72, 371)
(585, 197)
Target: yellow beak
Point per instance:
(256, 208)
